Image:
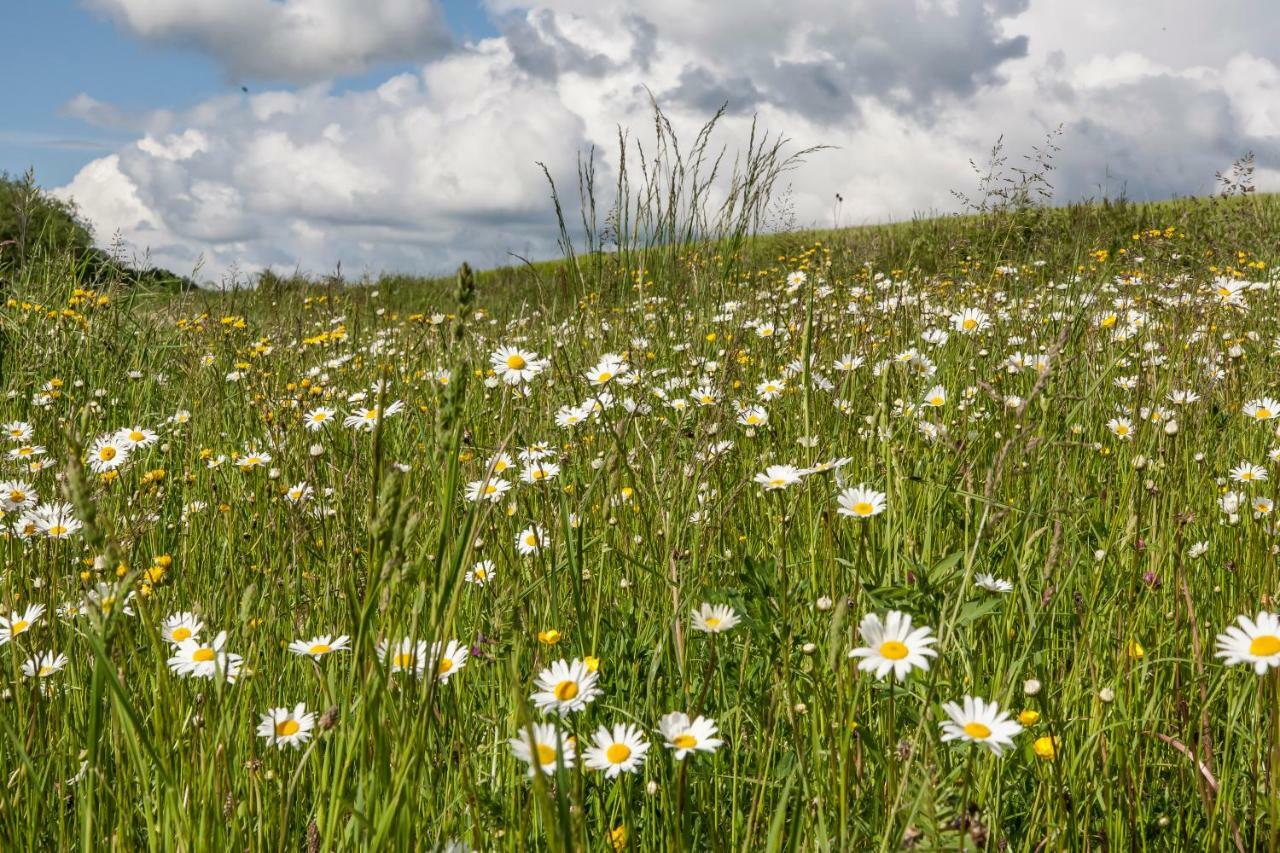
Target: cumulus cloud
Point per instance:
(438, 166)
(289, 40)
(410, 175)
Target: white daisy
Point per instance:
(686, 736)
(893, 645)
(978, 721)
(565, 687)
(618, 750)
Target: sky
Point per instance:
(223, 138)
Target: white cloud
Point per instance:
(289, 40)
(434, 167)
(411, 175)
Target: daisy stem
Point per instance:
(962, 821)
(1274, 780)
(706, 675)
(891, 744)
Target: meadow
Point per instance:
(932, 536)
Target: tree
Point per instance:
(35, 224)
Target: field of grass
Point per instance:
(1047, 437)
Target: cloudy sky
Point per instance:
(403, 134)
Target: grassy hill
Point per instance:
(673, 544)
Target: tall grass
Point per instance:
(1164, 748)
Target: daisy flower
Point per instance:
(251, 459)
(108, 453)
(298, 493)
(1261, 408)
(318, 418)
(893, 645)
(1247, 472)
(978, 721)
(489, 490)
(540, 472)
(453, 659)
(753, 416)
(686, 736)
(481, 573)
(57, 521)
(860, 502)
(321, 645)
(991, 583)
(970, 320)
(543, 747)
(19, 431)
(618, 750)
(714, 619)
(181, 626)
(778, 477)
(136, 437)
(514, 366)
(1121, 428)
(606, 370)
(19, 623)
(194, 660)
(1253, 641)
(565, 687)
(531, 540)
(281, 727)
(770, 389)
(404, 655)
(43, 665)
(17, 495)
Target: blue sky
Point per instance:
(66, 49)
(409, 135)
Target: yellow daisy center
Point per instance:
(19, 626)
(107, 453)
(617, 753)
(546, 754)
(445, 665)
(604, 376)
(566, 690)
(977, 731)
(685, 741)
(203, 655)
(134, 435)
(403, 660)
(288, 727)
(1262, 413)
(713, 622)
(45, 671)
(970, 323)
(320, 649)
(893, 650)
(17, 497)
(516, 362)
(181, 633)
(1121, 429)
(862, 508)
(1265, 646)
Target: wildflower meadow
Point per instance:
(953, 534)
